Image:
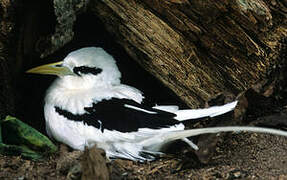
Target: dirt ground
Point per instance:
(237, 156)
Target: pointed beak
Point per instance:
(52, 69)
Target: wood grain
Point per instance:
(197, 48)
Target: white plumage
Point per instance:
(89, 80)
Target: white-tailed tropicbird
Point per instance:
(87, 105)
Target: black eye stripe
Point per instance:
(58, 65)
(86, 70)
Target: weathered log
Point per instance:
(7, 56)
(199, 48)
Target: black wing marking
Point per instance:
(122, 115)
(86, 118)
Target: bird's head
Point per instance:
(84, 67)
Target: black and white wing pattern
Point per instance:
(122, 115)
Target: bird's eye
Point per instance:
(86, 70)
(59, 65)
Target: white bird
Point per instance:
(87, 105)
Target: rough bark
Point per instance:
(7, 57)
(199, 48)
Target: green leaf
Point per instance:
(23, 138)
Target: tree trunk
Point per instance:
(7, 56)
(199, 48)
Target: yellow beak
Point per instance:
(53, 69)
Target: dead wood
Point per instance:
(199, 48)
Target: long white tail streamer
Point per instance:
(175, 135)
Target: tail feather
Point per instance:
(160, 140)
(167, 108)
(182, 115)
